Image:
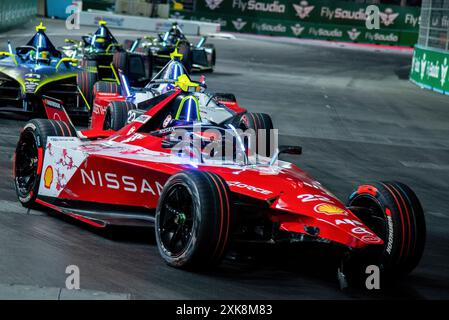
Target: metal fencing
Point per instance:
(14, 12)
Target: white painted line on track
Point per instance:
(24, 292)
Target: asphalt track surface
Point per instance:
(357, 118)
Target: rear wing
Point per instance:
(54, 109)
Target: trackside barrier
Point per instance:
(14, 13)
(312, 19)
(147, 24)
(430, 69)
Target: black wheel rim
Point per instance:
(176, 220)
(376, 220)
(26, 163)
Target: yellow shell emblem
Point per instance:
(329, 209)
(48, 177)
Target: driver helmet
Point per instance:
(174, 30)
(44, 55)
(100, 42)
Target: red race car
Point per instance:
(160, 170)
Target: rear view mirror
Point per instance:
(293, 150)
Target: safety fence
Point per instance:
(313, 19)
(14, 12)
(431, 55)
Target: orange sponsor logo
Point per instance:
(329, 209)
(48, 177)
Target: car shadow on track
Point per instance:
(307, 265)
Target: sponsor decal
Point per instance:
(241, 185)
(213, 4)
(52, 104)
(297, 29)
(303, 9)
(269, 27)
(131, 131)
(166, 121)
(423, 66)
(143, 118)
(360, 230)
(114, 181)
(134, 137)
(391, 37)
(329, 33)
(371, 239)
(348, 221)
(329, 209)
(444, 68)
(388, 16)
(33, 76)
(239, 24)
(48, 177)
(253, 5)
(313, 197)
(98, 109)
(411, 19)
(390, 233)
(110, 20)
(353, 34)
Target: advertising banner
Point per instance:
(430, 69)
(316, 11)
(319, 19)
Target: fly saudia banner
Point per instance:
(430, 69)
(314, 19)
(317, 11)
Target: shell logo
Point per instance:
(329, 209)
(48, 177)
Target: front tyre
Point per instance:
(394, 213)
(30, 150)
(194, 220)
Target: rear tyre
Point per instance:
(149, 64)
(262, 125)
(184, 49)
(30, 150)
(214, 53)
(106, 87)
(117, 115)
(86, 79)
(394, 213)
(194, 220)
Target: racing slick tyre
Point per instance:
(106, 87)
(117, 114)
(85, 80)
(214, 53)
(28, 158)
(149, 64)
(194, 220)
(262, 125)
(393, 212)
(184, 49)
